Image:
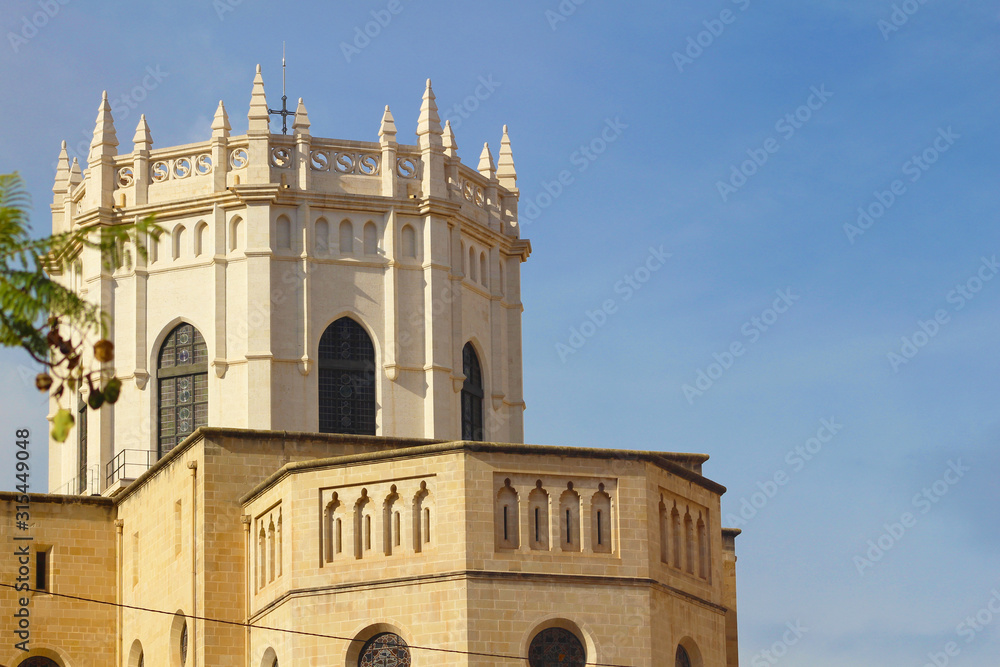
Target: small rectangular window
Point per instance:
(178, 528)
(42, 570)
(135, 559)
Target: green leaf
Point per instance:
(61, 424)
(96, 399)
(112, 390)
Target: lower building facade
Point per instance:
(244, 548)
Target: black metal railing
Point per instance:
(82, 483)
(129, 464)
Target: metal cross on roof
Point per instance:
(283, 111)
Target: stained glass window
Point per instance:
(556, 647)
(385, 650)
(184, 644)
(39, 661)
(682, 659)
(472, 395)
(346, 379)
(182, 375)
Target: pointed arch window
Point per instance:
(409, 238)
(472, 395)
(370, 238)
(386, 649)
(346, 379)
(182, 379)
(346, 238)
(682, 659)
(556, 646)
(322, 236)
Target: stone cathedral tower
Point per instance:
(283, 251)
(317, 457)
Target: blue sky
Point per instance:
(804, 112)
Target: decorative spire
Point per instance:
(387, 131)
(105, 141)
(142, 139)
(301, 124)
(450, 145)
(75, 174)
(258, 116)
(505, 168)
(429, 121)
(486, 166)
(220, 124)
(62, 171)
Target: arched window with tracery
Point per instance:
(346, 379)
(386, 649)
(39, 661)
(182, 377)
(472, 395)
(556, 646)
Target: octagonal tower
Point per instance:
(301, 284)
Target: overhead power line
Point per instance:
(285, 630)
